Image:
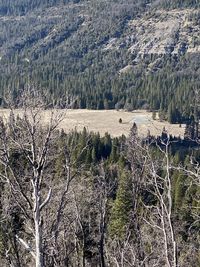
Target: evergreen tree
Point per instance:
(107, 145)
(179, 189)
(114, 152)
(120, 213)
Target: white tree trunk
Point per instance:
(38, 260)
(38, 232)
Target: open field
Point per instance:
(108, 121)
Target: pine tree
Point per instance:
(121, 209)
(94, 156)
(179, 192)
(107, 145)
(170, 113)
(114, 152)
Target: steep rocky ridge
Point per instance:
(175, 32)
(103, 52)
(154, 32)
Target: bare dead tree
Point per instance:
(152, 179)
(104, 189)
(31, 183)
(162, 191)
(121, 253)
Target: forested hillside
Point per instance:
(81, 200)
(105, 54)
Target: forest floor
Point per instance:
(103, 121)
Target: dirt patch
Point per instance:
(108, 121)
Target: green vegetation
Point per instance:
(124, 218)
(81, 199)
(109, 198)
(60, 46)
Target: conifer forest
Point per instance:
(81, 198)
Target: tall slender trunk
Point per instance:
(102, 260)
(38, 243)
(18, 263)
(38, 232)
(83, 251)
(102, 237)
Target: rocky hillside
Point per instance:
(175, 32)
(81, 47)
(151, 32)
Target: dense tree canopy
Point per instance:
(60, 45)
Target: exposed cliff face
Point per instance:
(172, 32)
(156, 34)
(98, 41)
(152, 33)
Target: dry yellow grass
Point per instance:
(108, 121)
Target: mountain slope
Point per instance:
(129, 53)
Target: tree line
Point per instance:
(53, 48)
(80, 199)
